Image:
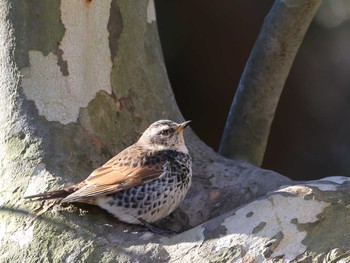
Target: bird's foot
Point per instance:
(155, 229)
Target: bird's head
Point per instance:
(165, 134)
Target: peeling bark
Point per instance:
(301, 223)
(40, 153)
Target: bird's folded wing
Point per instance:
(111, 178)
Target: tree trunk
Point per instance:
(80, 81)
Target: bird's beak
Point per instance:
(182, 126)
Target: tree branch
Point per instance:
(254, 105)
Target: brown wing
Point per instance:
(112, 177)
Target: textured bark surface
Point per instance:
(46, 143)
(300, 223)
(255, 103)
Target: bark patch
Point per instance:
(114, 27)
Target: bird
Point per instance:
(143, 183)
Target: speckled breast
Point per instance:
(154, 200)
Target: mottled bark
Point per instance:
(255, 103)
(301, 223)
(77, 86)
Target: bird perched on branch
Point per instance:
(142, 184)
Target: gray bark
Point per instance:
(62, 116)
(301, 223)
(255, 103)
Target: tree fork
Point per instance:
(62, 116)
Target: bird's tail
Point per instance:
(58, 194)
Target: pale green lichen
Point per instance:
(15, 146)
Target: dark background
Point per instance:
(206, 45)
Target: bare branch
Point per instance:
(254, 106)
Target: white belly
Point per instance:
(158, 208)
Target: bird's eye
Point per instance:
(165, 132)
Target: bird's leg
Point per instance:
(155, 229)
